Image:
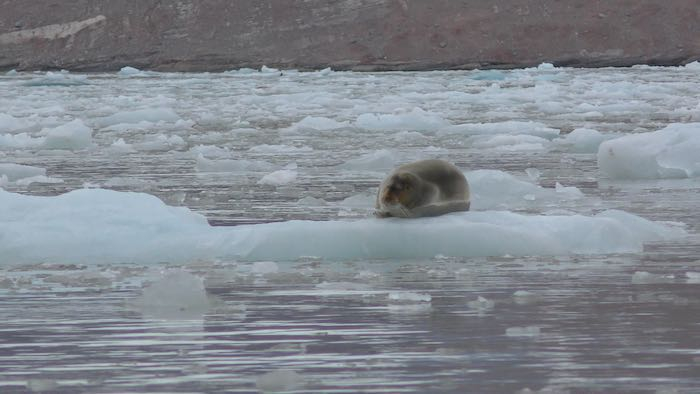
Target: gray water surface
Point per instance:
(579, 323)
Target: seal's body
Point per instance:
(423, 188)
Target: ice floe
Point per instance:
(99, 226)
(148, 114)
(671, 152)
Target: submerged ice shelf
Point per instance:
(104, 226)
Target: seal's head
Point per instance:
(400, 190)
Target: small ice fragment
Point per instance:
(41, 385)
(529, 197)
(571, 191)
(125, 71)
(264, 267)
(176, 295)
(528, 331)
(533, 173)
(268, 70)
(409, 297)
(37, 179)
(279, 380)
(277, 178)
(481, 304)
(524, 297)
(643, 277)
(693, 277)
(309, 201)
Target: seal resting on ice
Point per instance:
(422, 188)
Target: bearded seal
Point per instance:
(422, 188)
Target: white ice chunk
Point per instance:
(72, 135)
(58, 79)
(409, 297)
(160, 142)
(108, 226)
(279, 177)
(19, 171)
(414, 120)
(527, 331)
(516, 142)
(643, 277)
(362, 200)
(309, 201)
(481, 304)
(494, 189)
(693, 277)
(37, 179)
(228, 165)
(10, 123)
(120, 146)
(176, 294)
(269, 70)
(265, 148)
(315, 123)
(150, 115)
(264, 267)
(671, 152)
(128, 71)
(508, 127)
(583, 140)
(280, 380)
(20, 141)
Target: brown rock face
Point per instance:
(213, 35)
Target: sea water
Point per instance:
(214, 232)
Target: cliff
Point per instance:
(212, 35)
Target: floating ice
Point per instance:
(516, 142)
(528, 331)
(415, 120)
(72, 135)
(19, 171)
(279, 380)
(62, 78)
(102, 226)
(264, 267)
(362, 200)
(37, 179)
(309, 201)
(175, 295)
(671, 152)
(693, 277)
(279, 177)
(409, 297)
(128, 71)
(228, 165)
(10, 123)
(643, 277)
(481, 304)
(265, 148)
(150, 115)
(315, 123)
(121, 147)
(509, 127)
(583, 140)
(160, 142)
(494, 189)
